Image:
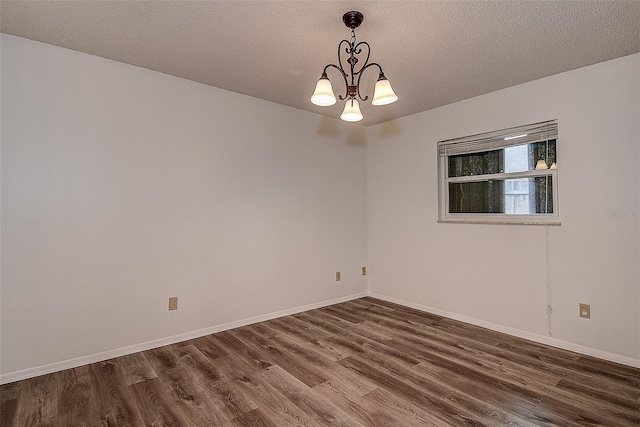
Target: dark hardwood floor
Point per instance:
(360, 363)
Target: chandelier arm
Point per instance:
(339, 55)
(359, 51)
(360, 75)
(344, 77)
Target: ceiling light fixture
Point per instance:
(541, 164)
(323, 96)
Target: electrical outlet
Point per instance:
(173, 303)
(337, 276)
(585, 311)
(364, 271)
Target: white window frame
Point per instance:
(487, 142)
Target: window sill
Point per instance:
(502, 221)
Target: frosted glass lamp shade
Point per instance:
(351, 112)
(323, 95)
(553, 166)
(383, 93)
(541, 165)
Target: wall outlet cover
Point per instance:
(585, 311)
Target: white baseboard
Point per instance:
(98, 357)
(542, 339)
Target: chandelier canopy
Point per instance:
(383, 94)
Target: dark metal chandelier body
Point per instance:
(324, 96)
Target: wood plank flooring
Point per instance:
(365, 362)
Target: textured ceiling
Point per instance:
(433, 52)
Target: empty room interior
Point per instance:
(319, 213)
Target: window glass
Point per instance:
(488, 162)
(524, 196)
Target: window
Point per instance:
(508, 176)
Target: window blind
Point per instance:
(495, 140)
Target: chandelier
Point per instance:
(323, 95)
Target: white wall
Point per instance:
(122, 187)
(466, 271)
